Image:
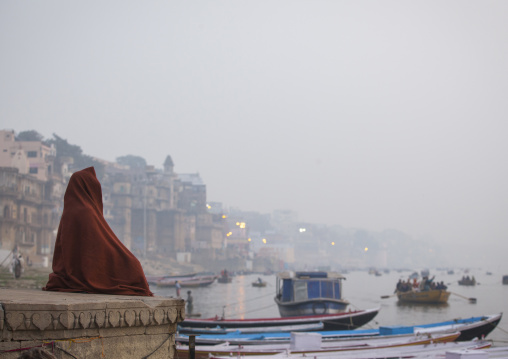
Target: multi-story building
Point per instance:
(29, 157)
(160, 212)
(30, 196)
(30, 214)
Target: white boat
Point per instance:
(428, 351)
(311, 344)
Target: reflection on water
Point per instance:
(423, 305)
(239, 299)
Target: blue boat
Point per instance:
(469, 328)
(309, 293)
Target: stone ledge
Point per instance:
(40, 311)
(88, 325)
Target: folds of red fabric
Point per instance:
(88, 256)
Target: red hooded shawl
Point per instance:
(88, 256)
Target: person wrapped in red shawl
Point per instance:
(88, 256)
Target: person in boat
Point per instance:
(425, 285)
(398, 286)
(441, 286)
(88, 256)
(260, 281)
(415, 284)
(403, 286)
(190, 301)
(407, 286)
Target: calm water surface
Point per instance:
(240, 299)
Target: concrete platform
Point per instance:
(88, 325)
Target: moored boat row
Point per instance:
(469, 328)
(311, 344)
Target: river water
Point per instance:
(239, 299)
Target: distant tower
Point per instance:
(170, 177)
(168, 165)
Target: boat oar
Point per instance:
(471, 300)
(388, 296)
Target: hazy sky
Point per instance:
(371, 114)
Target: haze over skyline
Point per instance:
(364, 114)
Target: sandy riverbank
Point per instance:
(37, 277)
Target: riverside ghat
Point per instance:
(97, 302)
(88, 325)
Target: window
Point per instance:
(34, 170)
(31, 154)
(326, 289)
(313, 286)
(336, 287)
(300, 291)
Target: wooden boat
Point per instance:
(309, 293)
(225, 277)
(259, 284)
(311, 344)
(186, 281)
(432, 350)
(432, 296)
(198, 281)
(467, 281)
(345, 320)
(153, 279)
(469, 328)
(311, 327)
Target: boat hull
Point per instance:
(425, 297)
(257, 284)
(224, 280)
(189, 281)
(311, 307)
(341, 321)
(481, 329)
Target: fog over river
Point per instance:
(240, 299)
